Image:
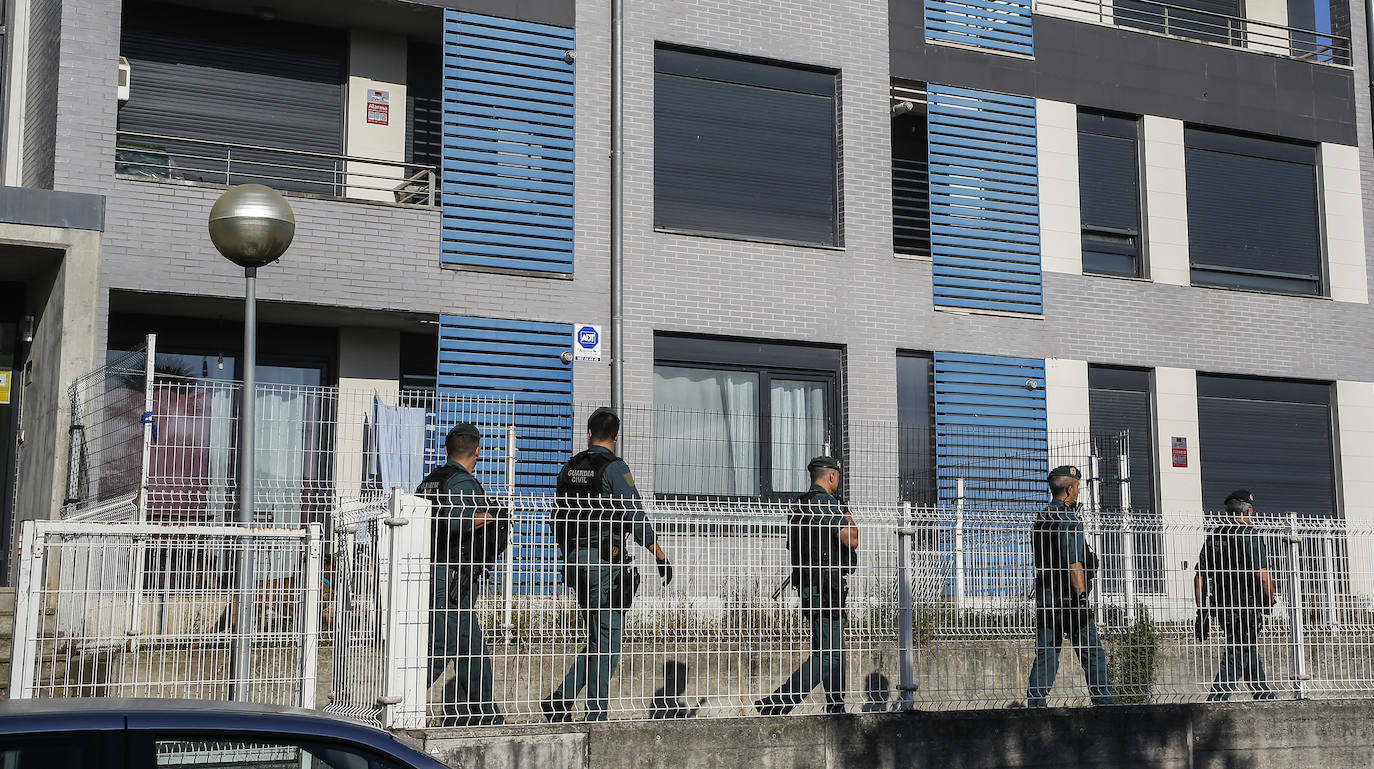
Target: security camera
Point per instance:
(1031, 384)
(902, 108)
(566, 357)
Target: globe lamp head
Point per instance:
(252, 225)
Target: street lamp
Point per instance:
(251, 226)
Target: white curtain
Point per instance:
(220, 501)
(279, 452)
(706, 431)
(798, 431)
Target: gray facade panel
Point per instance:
(46, 208)
(560, 12)
(1127, 71)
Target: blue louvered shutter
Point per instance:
(991, 431)
(984, 200)
(508, 144)
(520, 362)
(997, 25)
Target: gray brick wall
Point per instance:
(385, 258)
(40, 108)
(87, 105)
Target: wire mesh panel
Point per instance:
(106, 430)
(145, 610)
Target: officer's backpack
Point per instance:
(1232, 575)
(473, 553)
(816, 555)
(580, 479)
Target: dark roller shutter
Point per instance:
(1252, 213)
(424, 104)
(1122, 403)
(229, 78)
(744, 148)
(1215, 21)
(1273, 438)
(1109, 188)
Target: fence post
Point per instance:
(149, 375)
(959, 584)
(431, 187)
(906, 687)
(1128, 562)
(28, 599)
(508, 587)
(1295, 609)
(1094, 484)
(408, 613)
(1329, 565)
(310, 633)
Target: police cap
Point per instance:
(828, 462)
(464, 428)
(1065, 471)
(1243, 495)
(599, 412)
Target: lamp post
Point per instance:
(251, 226)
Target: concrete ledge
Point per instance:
(49, 208)
(1275, 735)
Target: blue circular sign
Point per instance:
(588, 338)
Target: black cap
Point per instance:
(1243, 495)
(1065, 471)
(599, 412)
(830, 462)
(465, 428)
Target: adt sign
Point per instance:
(586, 342)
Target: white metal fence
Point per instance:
(147, 610)
(940, 601)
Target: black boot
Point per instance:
(557, 709)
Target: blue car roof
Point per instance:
(100, 713)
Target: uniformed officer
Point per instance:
(463, 520)
(1064, 568)
(598, 505)
(823, 543)
(1233, 585)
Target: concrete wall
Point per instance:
(376, 62)
(1280, 735)
(1343, 218)
(1061, 228)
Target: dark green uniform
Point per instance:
(1231, 560)
(454, 631)
(593, 568)
(1057, 540)
(823, 591)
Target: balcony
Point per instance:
(1192, 21)
(223, 164)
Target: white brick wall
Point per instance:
(1061, 233)
(1166, 202)
(1343, 211)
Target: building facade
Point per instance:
(865, 227)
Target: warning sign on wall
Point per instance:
(6, 378)
(378, 107)
(1180, 451)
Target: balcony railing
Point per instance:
(178, 158)
(1206, 26)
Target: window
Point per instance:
(1213, 21)
(1269, 436)
(49, 751)
(741, 419)
(1109, 194)
(1252, 213)
(260, 751)
(915, 427)
(910, 172)
(744, 148)
(1119, 402)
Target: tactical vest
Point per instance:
(1233, 580)
(472, 553)
(1051, 567)
(817, 556)
(585, 522)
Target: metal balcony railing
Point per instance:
(154, 156)
(1206, 26)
